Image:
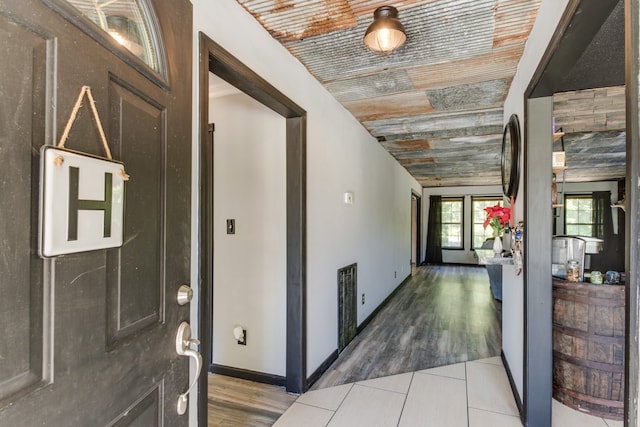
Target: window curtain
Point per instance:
(602, 220)
(434, 231)
(610, 257)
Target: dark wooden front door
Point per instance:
(88, 339)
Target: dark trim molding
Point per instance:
(514, 388)
(315, 376)
(373, 314)
(205, 312)
(234, 72)
(538, 75)
(215, 59)
(418, 197)
(579, 26)
(632, 217)
(245, 374)
(296, 254)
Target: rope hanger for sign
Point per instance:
(86, 90)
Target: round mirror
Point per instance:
(511, 157)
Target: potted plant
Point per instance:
(498, 218)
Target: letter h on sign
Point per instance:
(81, 203)
(76, 204)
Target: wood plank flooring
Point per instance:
(442, 315)
(234, 402)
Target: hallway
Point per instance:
(442, 315)
(429, 358)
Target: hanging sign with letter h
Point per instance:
(81, 195)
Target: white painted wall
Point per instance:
(341, 156)
(250, 265)
(543, 29)
(465, 256)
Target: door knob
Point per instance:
(184, 340)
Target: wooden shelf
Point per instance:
(557, 136)
(557, 169)
(558, 173)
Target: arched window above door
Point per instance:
(124, 20)
(129, 28)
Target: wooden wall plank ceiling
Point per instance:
(436, 103)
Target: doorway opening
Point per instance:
(416, 214)
(216, 60)
(584, 58)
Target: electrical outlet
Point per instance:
(362, 299)
(243, 340)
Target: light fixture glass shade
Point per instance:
(385, 33)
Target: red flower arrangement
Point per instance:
(498, 218)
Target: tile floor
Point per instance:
(470, 394)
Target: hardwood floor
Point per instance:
(240, 403)
(442, 315)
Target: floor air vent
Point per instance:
(347, 304)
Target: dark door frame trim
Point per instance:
(418, 197)
(632, 217)
(217, 60)
(537, 384)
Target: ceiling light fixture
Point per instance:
(385, 33)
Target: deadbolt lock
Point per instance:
(185, 294)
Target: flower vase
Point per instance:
(497, 246)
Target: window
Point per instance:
(578, 215)
(479, 233)
(452, 209)
(126, 21)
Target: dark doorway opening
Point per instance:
(416, 214)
